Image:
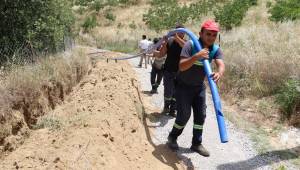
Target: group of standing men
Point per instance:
(183, 78)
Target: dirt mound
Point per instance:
(99, 126)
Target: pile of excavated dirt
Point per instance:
(99, 126)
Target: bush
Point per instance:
(289, 97)
(89, 23)
(81, 10)
(161, 15)
(43, 24)
(129, 2)
(110, 16)
(82, 2)
(98, 4)
(165, 14)
(232, 13)
(132, 25)
(268, 4)
(112, 3)
(284, 10)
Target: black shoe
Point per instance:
(172, 143)
(200, 149)
(172, 113)
(166, 110)
(140, 66)
(153, 91)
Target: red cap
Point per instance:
(210, 25)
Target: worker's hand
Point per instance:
(165, 38)
(203, 54)
(165, 41)
(216, 76)
(176, 36)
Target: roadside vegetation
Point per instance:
(37, 71)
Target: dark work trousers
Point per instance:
(187, 98)
(169, 90)
(156, 77)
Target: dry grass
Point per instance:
(261, 55)
(260, 58)
(122, 34)
(30, 91)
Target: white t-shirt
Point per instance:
(143, 44)
(150, 43)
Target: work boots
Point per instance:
(200, 149)
(172, 143)
(172, 113)
(154, 89)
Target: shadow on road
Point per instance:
(161, 151)
(147, 93)
(160, 118)
(264, 159)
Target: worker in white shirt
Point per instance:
(143, 46)
(149, 56)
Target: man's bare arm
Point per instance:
(186, 63)
(162, 51)
(221, 69)
(180, 41)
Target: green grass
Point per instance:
(118, 45)
(281, 168)
(288, 98)
(50, 121)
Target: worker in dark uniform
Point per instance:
(172, 48)
(190, 88)
(157, 70)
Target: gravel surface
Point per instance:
(237, 154)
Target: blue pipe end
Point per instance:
(222, 127)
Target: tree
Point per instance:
(42, 23)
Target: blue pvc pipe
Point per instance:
(212, 84)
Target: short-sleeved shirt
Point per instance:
(173, 55)
(143, 44)
(195, 75)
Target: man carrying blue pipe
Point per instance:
(172, 48)
(190, 89)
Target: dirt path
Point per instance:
(238, 154)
